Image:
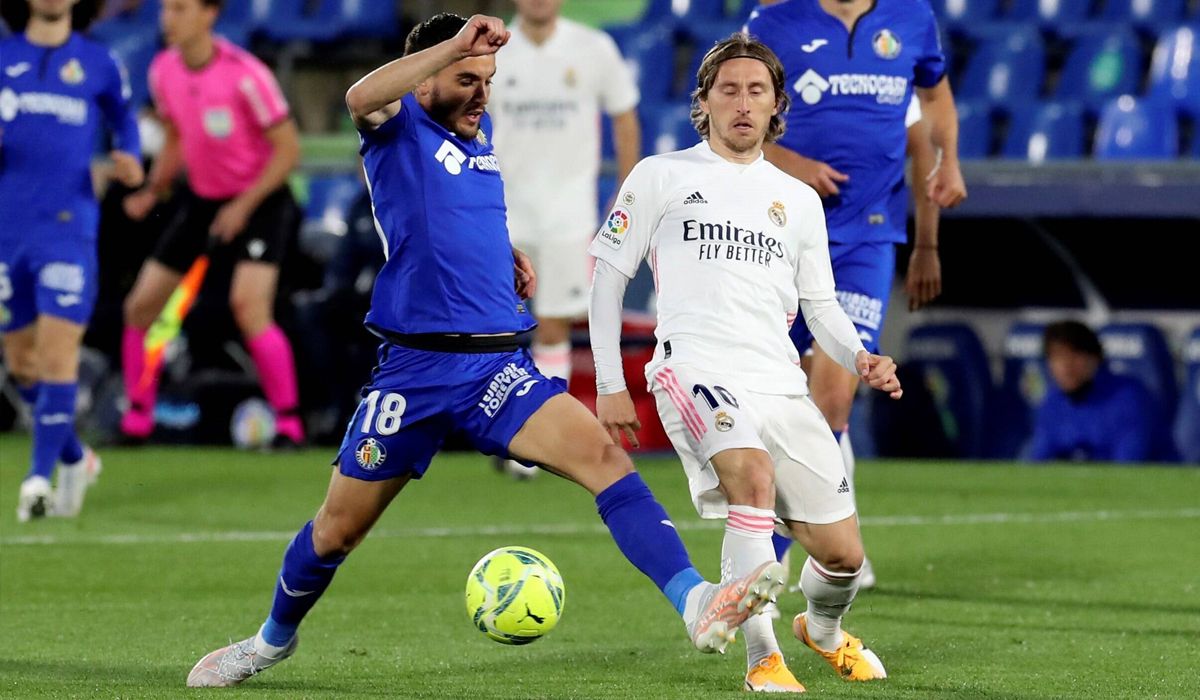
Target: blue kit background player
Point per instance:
(57, 88)
(853, 66)
(448, 306)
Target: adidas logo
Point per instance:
(845, 486)
(695, 198)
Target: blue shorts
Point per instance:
(417, 397)
(56, 279)
(863, 275)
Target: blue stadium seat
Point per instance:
(371, 18)
(1007, 71)
(956, 13)
(1022, 388)
(954, 367)
(329, 201)
(292, 20)
(1144, 13)
(703, 36)
(1053, 131)
(1132, 129)
(974, 129)
(136, 47)
(1101, 66)
(1050, 14)
(667, 127)
(650, 53)
(1175, 69)
(1140, 350)
(238, 20)
(683, 10)
(1187, 422)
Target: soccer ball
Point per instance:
(515, 595)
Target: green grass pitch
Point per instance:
(995, 581)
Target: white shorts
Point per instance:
(564, 274)
(705, 414)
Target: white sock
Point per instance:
(747, 545)
(553, 360)
(847, 453)
(691, 604)
(829, 596)
(262, 646)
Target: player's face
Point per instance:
(538, 10)
(1070, 368)
(184, 20)
(740, 104)
(50, 10)
(456, 96)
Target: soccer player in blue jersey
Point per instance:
(56, 90)
(448, 307)
(853, 66)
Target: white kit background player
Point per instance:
(733, 243)
(553, 80)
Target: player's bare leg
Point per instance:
(154, 285)
(552, 354)
(747, 478)
(565, 437)
(830, 581)
(351, 509)
(252, 300)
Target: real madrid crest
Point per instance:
(723, 421)
(569, 78)
(886, 44)
(72, 73)
(777, 214)
(627, 199)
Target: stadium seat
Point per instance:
(325, 212)
(1050, 14)
(1187, 422)
(1022, 388)
(1144, 13)
(956, 13)
(667, 127)
(1140, 350)
(702, 37)
(683, 10)
(953, 366)
(371, 18)
(650, 54)
(295, 20)
(974, 129)
(1132, 129)
(135, 46)
(1007, 71)
(1053, 131)
(1175, 69)
(1101, 66)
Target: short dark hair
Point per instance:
(740, 45)
(219, 4)
(433, 31)
(16, 14)
(1074, 335)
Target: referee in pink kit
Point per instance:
(228, 126)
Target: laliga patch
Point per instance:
(723, 421)
(886, 44)
(72, 73)
(218, 122)
(613, 231)
(370, 454)
(777, 215)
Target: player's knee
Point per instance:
(613, 462)
(57, 365)
(336, 536)
(843, 558)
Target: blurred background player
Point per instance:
(56, 89)
(734, 243)
(553, 80)
(853, 65)
(227, 124)
(1089, 412)
(448, 310)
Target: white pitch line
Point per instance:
(596, 528)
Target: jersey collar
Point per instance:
(707, 150)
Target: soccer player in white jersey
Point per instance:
(733, 243)
(553, 80)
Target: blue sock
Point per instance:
(782, 545)
(644, 534)
(307, 576)
(72, 451)
(53, 422)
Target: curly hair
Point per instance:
(740, 45)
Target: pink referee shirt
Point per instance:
(222, 112)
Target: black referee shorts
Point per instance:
(268, 233)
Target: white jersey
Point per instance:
(545, 105)
(732, 248)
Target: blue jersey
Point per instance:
(52, 102)
(1116, 420)
(850, 92)
(439, 205)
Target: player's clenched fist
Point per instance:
(481, 36)
(879, 372)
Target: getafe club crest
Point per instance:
(481, 137)
(72, 73)
(370, 454)
(886, 44)
(777, 214)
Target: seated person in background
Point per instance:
(1089, 413)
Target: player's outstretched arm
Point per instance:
(375, 98)
(614, 406)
